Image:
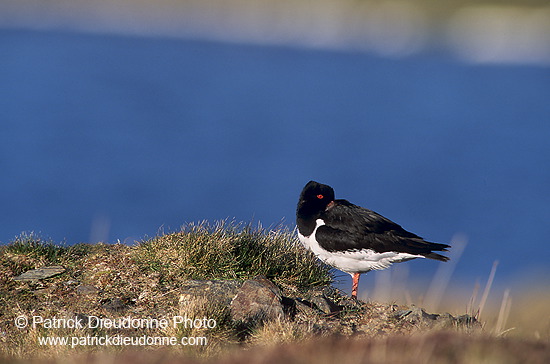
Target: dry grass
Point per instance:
(440, 347)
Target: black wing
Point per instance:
(350, 227)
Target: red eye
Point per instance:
(320, 197)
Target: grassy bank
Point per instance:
(107, 283)
(144, 281)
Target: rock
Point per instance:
(419, 316)
(222, 291)
(257, 301)
(114, 304)
(86, 289)
(40, 273)
(416, 316)
(444, 321)
(400, 314)
(304, 310)
(325, 305)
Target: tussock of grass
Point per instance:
(29, 251)
(32, 245)
(231, 251)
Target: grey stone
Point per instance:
(400, 314)
(86, 289)
(40, 273)
(222, 291)
(324, 304)
(258, 300)
(414, 314)
(419, 316)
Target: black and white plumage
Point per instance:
(353, 239)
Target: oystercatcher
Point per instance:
(353, 239)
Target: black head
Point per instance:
(314, 198)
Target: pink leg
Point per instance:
(354, 285)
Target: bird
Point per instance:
(354, 239)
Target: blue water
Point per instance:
(111, 137)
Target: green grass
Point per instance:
(223, 250)
(29, 251)
(229, 250)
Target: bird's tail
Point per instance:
(438, 247)
(437, 257)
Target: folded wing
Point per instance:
(354, 228)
